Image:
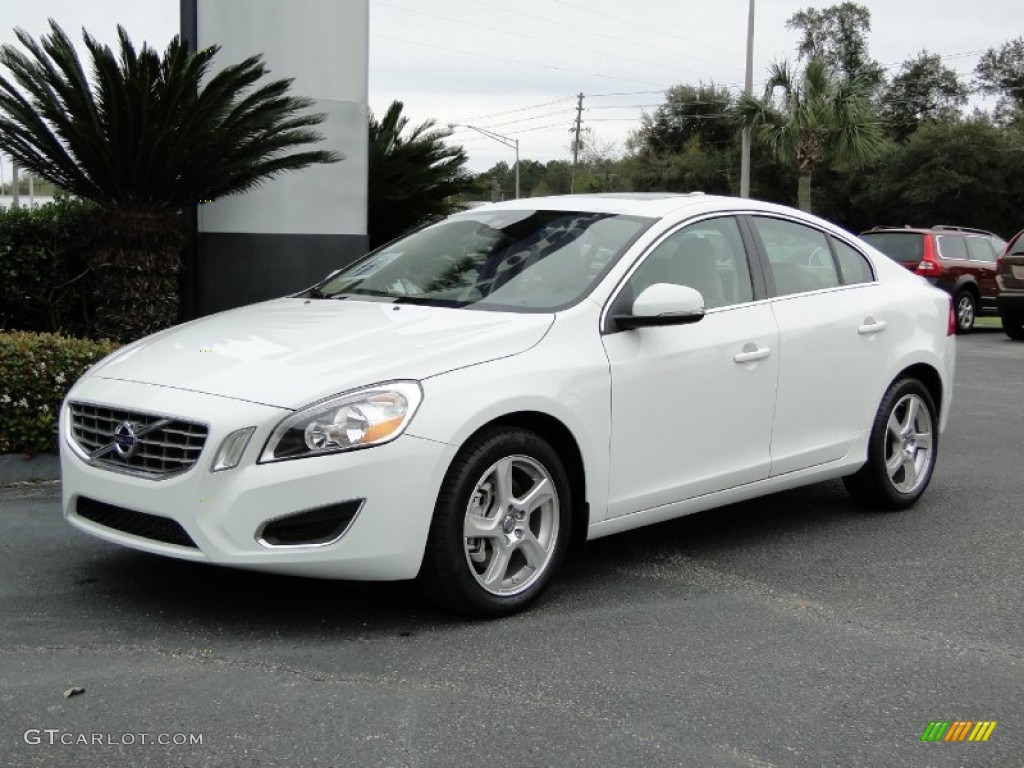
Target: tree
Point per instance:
(688, 112)
(1000, 72)
(149, 136)
(923, 91)
(812, 119)
(969, 172)
(413, 177)
(837, 35)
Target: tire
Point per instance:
(520, 545)
(966, 306)
(902, 449)
(1013, 326)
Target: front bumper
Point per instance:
(224, 513)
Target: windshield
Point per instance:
(521, 260)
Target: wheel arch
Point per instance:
(561, 438)
(929, 377)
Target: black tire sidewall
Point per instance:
(446, 573)
(890, 496)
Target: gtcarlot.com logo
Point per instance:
(56, 737)
(958, 730)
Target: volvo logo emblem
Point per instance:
(125, 440)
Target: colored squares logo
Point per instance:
(958, 730)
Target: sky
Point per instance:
(515, 67)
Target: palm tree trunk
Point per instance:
(134, 269)
(803, 191)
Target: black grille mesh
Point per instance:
(140, 524)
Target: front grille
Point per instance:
(140, 524)
(162, 446)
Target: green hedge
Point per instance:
(36, 372)
(44, 267)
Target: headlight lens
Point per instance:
(357, 419)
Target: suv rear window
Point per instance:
(904, 247)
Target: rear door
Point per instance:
(833, 340)
(981, 252)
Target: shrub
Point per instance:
(36, 372)
(43, 267)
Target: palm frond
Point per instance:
(145, 131)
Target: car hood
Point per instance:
(291, 352)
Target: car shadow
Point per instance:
(155, 588)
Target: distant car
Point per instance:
(1010, 277)
(959, 260)
(460, 404)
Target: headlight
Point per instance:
(357, 419)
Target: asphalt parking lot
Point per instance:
(790, 631)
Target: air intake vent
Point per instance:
(320, 526)
(153, 527)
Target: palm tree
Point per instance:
(413, 178)
(813, 119)
(149, 136)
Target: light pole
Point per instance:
(748, 88)
(506, 140)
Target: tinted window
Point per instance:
(799, 256)
(707, 256)
(854, 266)
(1017, 248)
(904, 247)
(951, 246)
(981, 249)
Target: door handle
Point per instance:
(752, 354)
(871, 326)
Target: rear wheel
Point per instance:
(1013, 326)
(902, 449)
(966, 310)
(501, 525)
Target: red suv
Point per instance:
(960, 260)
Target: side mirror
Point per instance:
(663, 304)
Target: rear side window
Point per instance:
(1017, 248)
(854, 266)
(951, 246)
(799, 256)
(981, 249)
(904, 247)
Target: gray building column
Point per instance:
(294, 229)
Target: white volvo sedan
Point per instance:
(459, 405)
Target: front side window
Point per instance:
(708, 256)
(509, 260)
(799, 256)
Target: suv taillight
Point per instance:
(927, 265)
(951, 322)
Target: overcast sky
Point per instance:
(515, 66)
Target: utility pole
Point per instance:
(576, 142)
(15, 182)
(748, 89)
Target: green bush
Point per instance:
(36, 372)
(44, 267)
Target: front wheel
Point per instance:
(902, 449)
(966, 310)
(500, 527)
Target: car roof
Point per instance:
(648, 204)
